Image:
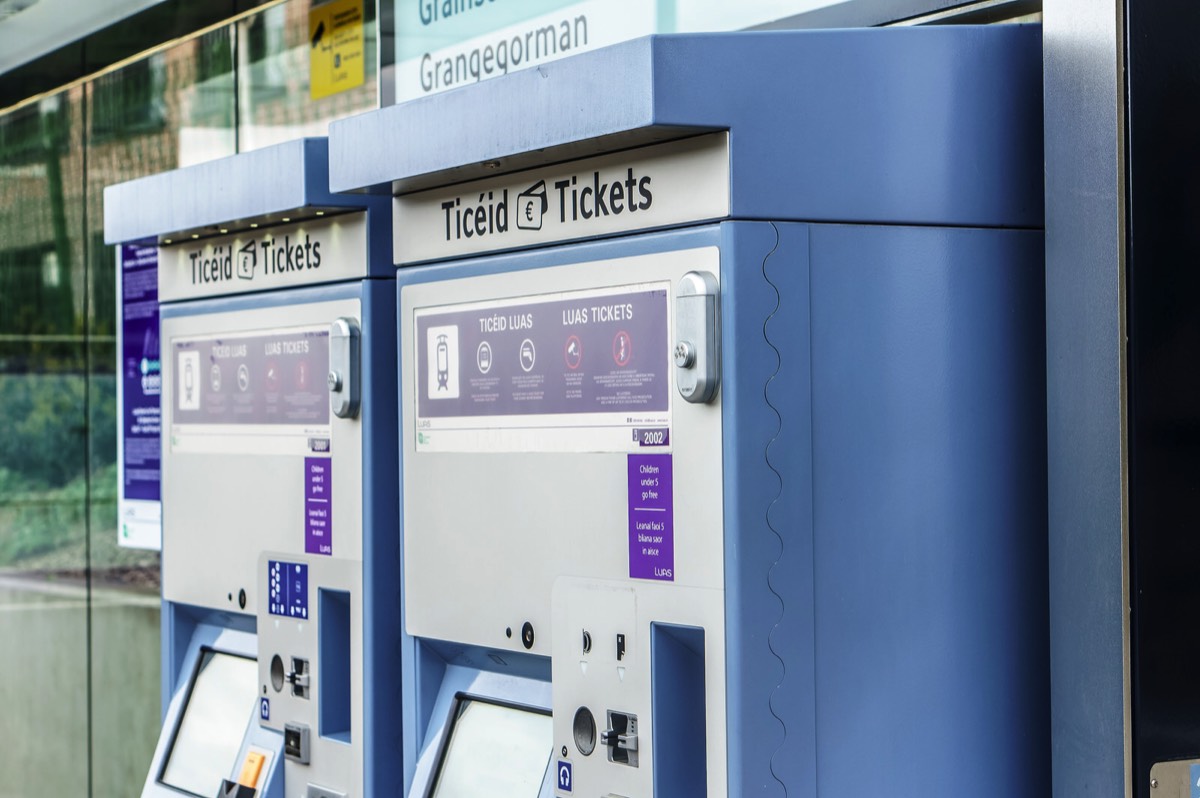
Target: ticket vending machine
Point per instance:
(722, 418)
(279, 465)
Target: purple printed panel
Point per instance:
(274, 378)
(651, 518)
(288, 594)
(318, 505)
(141, 372)
(592, 354)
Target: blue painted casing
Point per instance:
(381, 558)
(885, 506)
(265, 184)
(920, 125)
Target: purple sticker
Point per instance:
(141, 372)
(318, 505)
(276, 378)
(288, 594)
(651, 518)
(592, 354)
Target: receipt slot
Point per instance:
(279, 463)
(728, 477)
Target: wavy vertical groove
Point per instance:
(771, 506)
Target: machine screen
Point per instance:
(214, 719)
(494, 750)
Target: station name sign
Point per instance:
(656, 186)
(304, 253)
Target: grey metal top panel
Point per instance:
(938, 125)
(272, 180)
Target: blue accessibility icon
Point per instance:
(564, 775)
(264, 708)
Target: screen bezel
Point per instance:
(460, 700)
(170, 750)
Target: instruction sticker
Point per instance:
(318, 505)
(579, 371)
(651, 517)
(256, 379)
(288, 589)
(139, 445)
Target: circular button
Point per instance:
(527, 635)
(584, 730)
(277, 673)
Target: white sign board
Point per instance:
(306, 253)
(656, 186)
(443, 44)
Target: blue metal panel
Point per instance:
(768, 540)
(271, 180)
(382, 626)
(917, 125)
(929, 511)
(1085, 343)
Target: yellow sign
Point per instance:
(336, 51)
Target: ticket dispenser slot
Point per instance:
(677, 700)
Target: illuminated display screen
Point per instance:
(494, 750)
(219, 705)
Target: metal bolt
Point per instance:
(685, 354)
(1153, 783)
(335, 381)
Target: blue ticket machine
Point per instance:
(722, 418)
(279, 463)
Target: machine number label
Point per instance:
(578, 371)
(652, 437)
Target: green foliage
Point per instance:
(35, 523)
(43, 434)
(44, 490)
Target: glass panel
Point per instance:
(219, 706)
(494, 750)
(282, 67)
(43, 454)
(171, 109)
